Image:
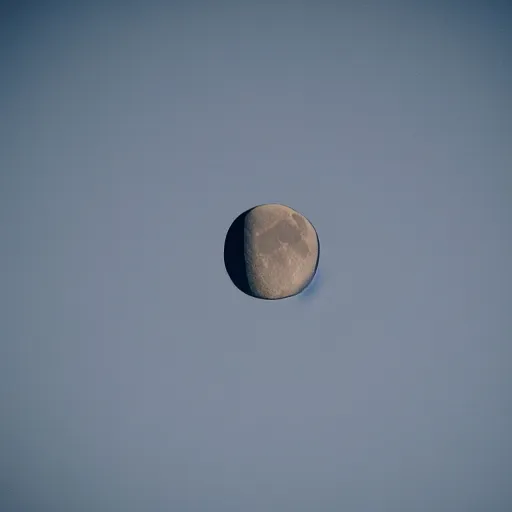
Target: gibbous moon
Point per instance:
(271, 252)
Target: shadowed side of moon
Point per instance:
(234, 254)
(271, 252)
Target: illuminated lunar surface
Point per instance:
(271, 252)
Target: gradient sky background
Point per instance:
(135, 377)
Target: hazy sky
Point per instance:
(135, 377)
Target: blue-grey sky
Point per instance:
(135, 377)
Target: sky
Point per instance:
(135, 377)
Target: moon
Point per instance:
(271, 252)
